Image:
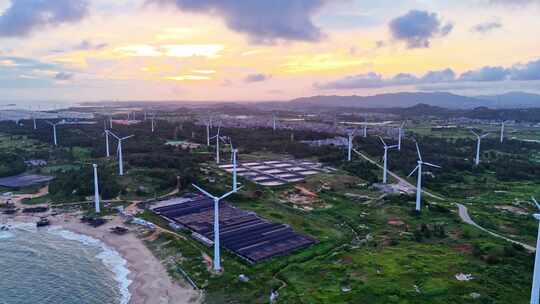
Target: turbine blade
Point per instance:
(382, 140)
(475, 134)
(418, 150)
(535, 202)
(203, 191)
(124, 138)
(230, 192)
(403, 124)
(393, 147)
(432, 165)
(412, 172)
(484, 135)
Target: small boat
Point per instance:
(119, 230)
(43, 222)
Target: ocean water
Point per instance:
(52, 265)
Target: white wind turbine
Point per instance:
(502, 132)
(119, 152)
(55, 139)
(96, 189)
(365, 131)
(400, 135)
(419, 178)
(350, 146)
(107, 143)
(218, 138)
(535, 292)
(274, 121)
(153, 123)
(479, 140)
(385, 169)
(235, 183)
(217, 258)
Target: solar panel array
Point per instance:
(241, 232)
(275, 173)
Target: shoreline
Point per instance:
(149, 283)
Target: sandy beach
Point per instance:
(151, 283)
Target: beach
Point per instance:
(150, 282)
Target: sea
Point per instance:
(35, 105)
(55, 266)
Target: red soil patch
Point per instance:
(464, 248)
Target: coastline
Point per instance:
(148, 280)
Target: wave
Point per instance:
(6, 235)
(111, 258)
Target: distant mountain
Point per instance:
(438, 99)
(513, 100)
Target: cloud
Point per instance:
(23, 17)
(487, 73)
(519, 72)
(528, 71)
(513, 3)
(262, 21)
(417, 28)
(63, 76)
(257, 78)
(87, 45)
(486, 27)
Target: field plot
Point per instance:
(241, 232)
(276, 173)
(24, 180)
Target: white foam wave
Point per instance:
(111, 258)
(6, 235)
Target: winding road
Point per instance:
(462, 210)
(464, 215)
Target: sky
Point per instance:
(240, 50)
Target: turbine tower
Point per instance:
(208, 132)
(274, 121)
(535, 292)
(119, 152)
(218, 138)
(55, 140)
(217, 259)
(349, 146)
(96, 189)
(385, 169)
(479, 140)
(153, 123)
(235, 183)
(400, 136)
(502, 132)
(107, 143)
(419, 178)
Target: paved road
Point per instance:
(464, 215)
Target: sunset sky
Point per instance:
(247, 50)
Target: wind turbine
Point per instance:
(419, 178)
(217, 259)
(235, 184)
(349, 146)
(119, 151)
(400, 136)
(153, 123)
(365, 131)
(218, 138)
(107, 143)
(55, 140)
(274, 121)
(96, 189)
(385, 170)
(479, 139)
(535, 292)
(502, 132)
